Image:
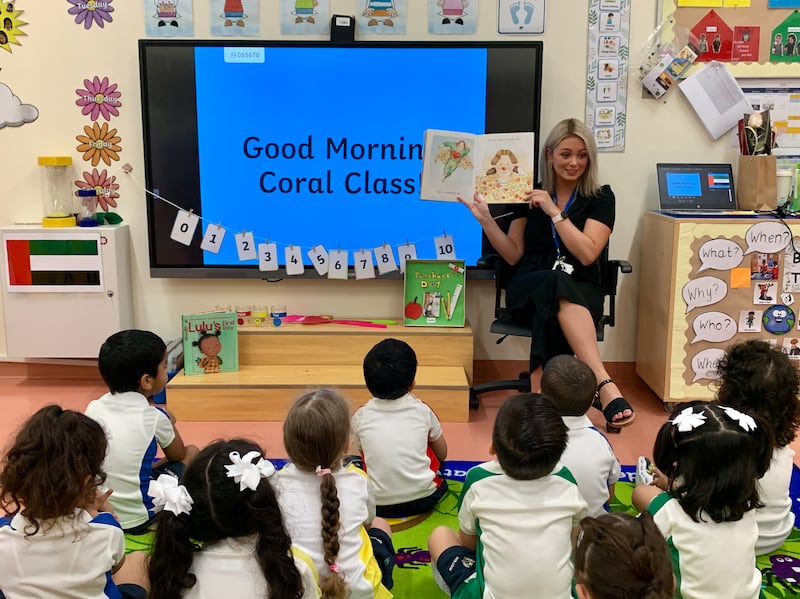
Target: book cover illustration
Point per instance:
(210, 343)
(434, 293)
(497, 165)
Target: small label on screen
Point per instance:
(248, 55)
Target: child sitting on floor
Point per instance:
(758, 379)
(61, 538)
(399, 436)
(329, 509)
(221, 533)
(589, 457)
(703, 498)
(133, 364)
(516, 513)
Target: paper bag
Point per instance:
(757, 183)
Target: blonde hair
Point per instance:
(587, 185)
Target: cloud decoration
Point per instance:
(13, 113)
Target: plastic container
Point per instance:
(87, 211)
(57, 185)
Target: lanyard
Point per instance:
(553, 226)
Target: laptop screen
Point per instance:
(696, 187)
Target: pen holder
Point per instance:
(757, 182)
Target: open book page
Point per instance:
(498, 165)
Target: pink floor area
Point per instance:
(20, 397)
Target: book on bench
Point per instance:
(210, 342)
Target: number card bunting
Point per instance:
(294, 260)
(267, 257)
(319, 259)
(406, 251)
(445, 249)
(362, 265)
(246, 246)
(212, 240)
(337, 264)
(384, 256)
(184, 227)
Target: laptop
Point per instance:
(698, 189)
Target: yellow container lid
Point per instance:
(55, 160)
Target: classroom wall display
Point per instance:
(234, 18)
(305, 17)
(12, 26)
(168, 18)
(751, 36)
(516, 16)
(88, 14)
(453, 17)
(383, 17)
(13, 111)
(607, 72)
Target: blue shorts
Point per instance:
(456, 565)
(383, 550)
(415, 507)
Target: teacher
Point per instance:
(555, 240)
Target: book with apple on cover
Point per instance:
(434, 293)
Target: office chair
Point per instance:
(504, 325)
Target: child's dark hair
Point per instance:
(570, 383)
(45, 471)
(529, 436)
(619, 556)
(712, 458)
(315, 435)
(127, 356)
(759, 379)
(220, 510)
(205, 336)
(390, 368)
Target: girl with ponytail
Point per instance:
(619, 556)
(221, 533)
(330, 509)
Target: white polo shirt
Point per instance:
(710, 559)
(229, 568)
(591, 460)
(523, 528)
(775, 519)
(394, 437)
(135, 430)
(69, 557)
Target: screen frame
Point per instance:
(159, 210)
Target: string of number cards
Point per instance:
(330, 263)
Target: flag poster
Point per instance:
(61, 262)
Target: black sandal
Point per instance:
(614, 407)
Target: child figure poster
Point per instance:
(210, 343)
(497, 165)
(434, 293)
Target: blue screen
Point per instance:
(308, 146)
(684, 184)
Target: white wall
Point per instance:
(57, 55)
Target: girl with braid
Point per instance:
(329, 509)
(221, 534)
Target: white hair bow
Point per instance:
(246, 472)
(745, 420)
(167, 494)
(687, 420)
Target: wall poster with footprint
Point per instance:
(520, 16)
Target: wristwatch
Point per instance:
(559, 217)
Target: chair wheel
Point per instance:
(474, 402)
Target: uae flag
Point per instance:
(719, 181)
(56, 262)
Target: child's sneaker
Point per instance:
(644, 471)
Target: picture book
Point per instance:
(210, 342)
(434, 293)
(497, 165)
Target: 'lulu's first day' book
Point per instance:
(434, 293)
(210, 343)
(497, 165)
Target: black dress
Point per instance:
(532, 294)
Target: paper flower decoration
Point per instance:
(91, 11)
(167, 494)
(745, 420)
(105, 186)
(98, 98)
(99, 143)
(687, 420)
(246, 472)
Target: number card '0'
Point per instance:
(212, 240)
(445, 249)
(364, 268)
(294, 260)
(385, 259)
(406, 251)
(184, 227)
(267, 256)
(337, 264)
(246, 246)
